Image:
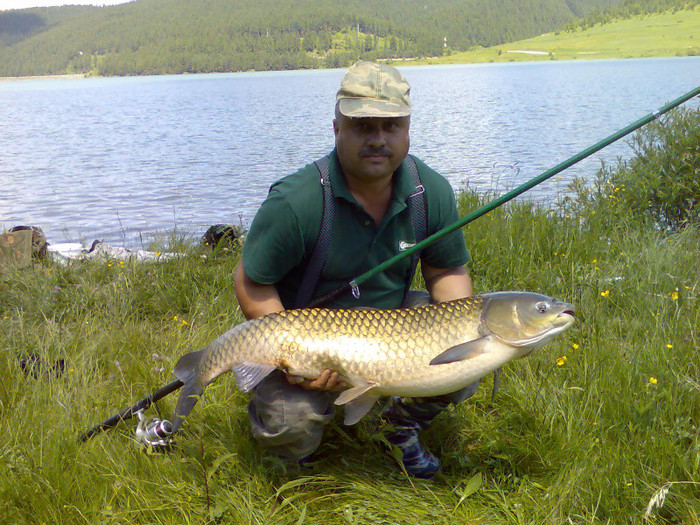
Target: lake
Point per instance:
(129, 159)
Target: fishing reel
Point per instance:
(153, 432)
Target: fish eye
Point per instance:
(541, 307)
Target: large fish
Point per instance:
(415, 352)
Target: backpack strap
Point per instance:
(417, 207)
(320, 253)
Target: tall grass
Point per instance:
(588, 430)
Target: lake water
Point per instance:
(127, 159)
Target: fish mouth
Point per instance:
(568, 316)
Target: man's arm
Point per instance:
(446, 284)
(256, 300)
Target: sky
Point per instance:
(24, 4)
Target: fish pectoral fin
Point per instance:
(462, 352)
(249, 373)
(358, 401)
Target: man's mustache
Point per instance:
(375, 152)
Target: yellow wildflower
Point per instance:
(184, 323)
(574, 346)
(653, 380)
(561, 361)
(669, 346)
(606, 293)
(674, 296)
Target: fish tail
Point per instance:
(187, 371)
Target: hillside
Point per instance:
(177, 36)
(672, 33)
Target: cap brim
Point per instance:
(367, 108)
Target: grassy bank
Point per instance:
(587, 430)
(656, 35)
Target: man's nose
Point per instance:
(376, 136)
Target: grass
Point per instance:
(588, 430)
(655, 35)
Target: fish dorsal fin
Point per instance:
(462, 352)
(249, 373)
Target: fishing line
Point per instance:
(354, 285)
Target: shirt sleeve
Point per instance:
(449, 251)
(274, 244)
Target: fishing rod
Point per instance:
(354, 285)
(153, 431)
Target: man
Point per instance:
(371, 186)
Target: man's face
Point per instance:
(371, 148)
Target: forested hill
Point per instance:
(176, 36)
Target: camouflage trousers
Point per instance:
(289, 420)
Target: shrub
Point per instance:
(660, 183)
(662, 180)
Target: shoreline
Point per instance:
(68, 76)
(522, 57)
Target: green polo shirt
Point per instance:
(285, 229)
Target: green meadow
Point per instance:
(600, 427)
(662, 34)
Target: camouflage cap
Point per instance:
(373, 90)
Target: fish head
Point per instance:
(525, 319)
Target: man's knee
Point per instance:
(416, 298)
(287, 419)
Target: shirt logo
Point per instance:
(403, 245)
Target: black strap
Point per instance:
(417, 208)
(318, 258)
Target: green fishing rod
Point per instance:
(354, 285)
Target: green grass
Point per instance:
(586, 439)
(656, 35)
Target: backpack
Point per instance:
(20, 244)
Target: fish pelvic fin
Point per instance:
(249, 373)
(358, 401)
(462, 352)
(187, 371)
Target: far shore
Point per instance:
(525, 56)
(42, 77)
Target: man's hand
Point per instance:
(328, 381)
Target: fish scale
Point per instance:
(424, 351)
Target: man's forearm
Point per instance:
(446, 284)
